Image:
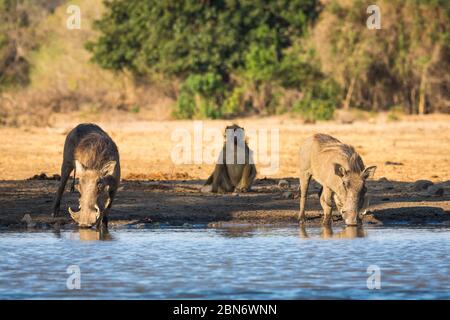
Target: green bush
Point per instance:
(205, 45)
(319, 101)
(200, 96)
(312, 109)
(395, 113)
(235, 103)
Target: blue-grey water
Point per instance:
(229, 263)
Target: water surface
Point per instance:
(230, 263)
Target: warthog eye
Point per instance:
(100, 186)
(346, 185)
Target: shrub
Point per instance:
(200, 96)
(395, 113)
(319, 101)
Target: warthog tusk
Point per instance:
(98, 211)
(108, 202)
(74, 214)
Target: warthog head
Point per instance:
(350, 195)
(95, 198)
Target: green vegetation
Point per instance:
(225, 58)
(225, 52)
(200, 96)
(403, 64)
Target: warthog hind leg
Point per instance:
(304, 183)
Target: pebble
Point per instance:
(283, 184)
(287, 195)
(435, 190)
(421, 185)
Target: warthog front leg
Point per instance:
(66, 169)
(72, 188)
(325, 202)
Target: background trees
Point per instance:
(228, 53)
(227, 58)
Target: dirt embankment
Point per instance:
(156, 191)
(149, 203)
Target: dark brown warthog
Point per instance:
(340, 171)
(94, 156)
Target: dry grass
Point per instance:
(422, 145)
(63, 78)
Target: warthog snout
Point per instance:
(350, 218)
(87, 219)
(351, 222)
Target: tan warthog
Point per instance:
(94, 156)
(341, 172)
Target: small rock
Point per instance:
(435, 190)
(383, 179)
(283, 184)
(345, 117)
(44, 226)
(309, 121)
(207, 188)
(287, 195)
(421, 185)
(29, 221)
(393, 163)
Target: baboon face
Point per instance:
(234, 132)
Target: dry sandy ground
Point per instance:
(155, 190)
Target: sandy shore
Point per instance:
(155, 190)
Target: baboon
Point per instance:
(234, 171)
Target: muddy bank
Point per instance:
(142, 204)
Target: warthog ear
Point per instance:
(79, 167)
(339, 170)
(108, 168)
(368, 172)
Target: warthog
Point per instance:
(341, 172)
(94, 156)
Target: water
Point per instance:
(231, 263)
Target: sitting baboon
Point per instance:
(234, 171)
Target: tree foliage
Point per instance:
(402, 64)
(241, 42)
(184, 37)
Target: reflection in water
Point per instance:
(349, 232)
(302, 232)
(94, 235)
(183, 263)
(240, 231)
